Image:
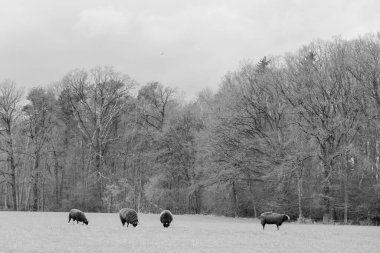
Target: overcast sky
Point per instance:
(185, 44)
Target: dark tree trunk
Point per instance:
(326, 190)
(56, 175)
(61, 187)
(253, 199)
(234, 198)
(43, 195)
(13, 178)
(197, 201)
(299, 187)
(12, 165)
(345, 203)
(35, 183)
(345, 180)
(326, 193)
(99, 186)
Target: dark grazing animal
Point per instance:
(77, 215)
(166, 217)
(128, 216)
(273, 218)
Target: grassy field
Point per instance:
(50, 232)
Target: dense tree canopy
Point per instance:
(297, 133)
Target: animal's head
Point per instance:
(166, 224)
(86, 222)
(286, 218)
(135, 223)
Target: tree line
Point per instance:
(296, 134)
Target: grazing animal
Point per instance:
(77, 215)
(273, 218)
(166, 217)
(128, 216)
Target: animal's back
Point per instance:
(265, 214)
(74, 210)
(166, 216)
(271, 219)
(127, 215)
(74, 213)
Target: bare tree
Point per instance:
(327, 105)
(39, 123)
(155, 100)
(97, 98)
(10, 98)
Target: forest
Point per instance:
(297, 134)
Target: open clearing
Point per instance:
(50, 232)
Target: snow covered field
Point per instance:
(50, 232)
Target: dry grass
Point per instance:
(50, 232)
